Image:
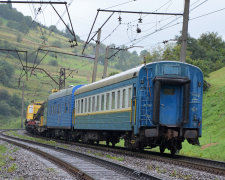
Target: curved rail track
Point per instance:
(81, 165)
(206, 165)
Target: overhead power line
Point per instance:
(208, 13)
(166, 26)
(121, 4)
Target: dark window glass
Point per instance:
(169, 91)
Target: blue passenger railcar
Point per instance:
(60, 110)
(157, 104)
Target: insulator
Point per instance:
(140, 20)
(120, 19)
(138, 30)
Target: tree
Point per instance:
(4, 108)
(6, 72)
(211, 41)
(144, 53)
(19, 37)
(4, 95)
(1, 22)
(9, 4)
(15, 101)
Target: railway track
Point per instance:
(206, 165)
(81, 165)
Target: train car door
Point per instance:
(170, 105)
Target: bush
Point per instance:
(113, 73)
(15, 101)
(57, 44)
(1, 22)
(4, 108)
(19, 38)
(6, 72)
(4, 95)
(9, 105)
(20, 26)
(53, 63)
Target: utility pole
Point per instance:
(22, 109)
(96, 56)
(106, 62)
(62, 78)
(184, 31)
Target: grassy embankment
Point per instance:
(39, 86)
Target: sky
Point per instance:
(154, 28)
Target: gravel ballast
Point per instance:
(21, 164)
(160, 169)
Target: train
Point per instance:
(158, 104)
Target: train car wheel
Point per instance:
(162, 149)
(173, 151)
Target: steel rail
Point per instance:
(207, 165)
(129, 172)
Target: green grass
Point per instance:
(49, 142)
(115, 157)
(3, 150)
(9, 122)
(12, 168)
(51, 169)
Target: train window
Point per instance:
(89, 104)
(98, 103)
(78, 106)
(93, 104)
(102, 102)
(129, 97)
(169, 91)
(58, 109)
(107, 101)
(82, 106)
(113, 100)
(118, 99)
(124, 98)
(85, 105)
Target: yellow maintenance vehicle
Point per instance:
(34, 116)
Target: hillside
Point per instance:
(38, 85)
(213, 135)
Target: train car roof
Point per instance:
(110, 80)
(64, 92)
(120, 77)
(61, 93)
